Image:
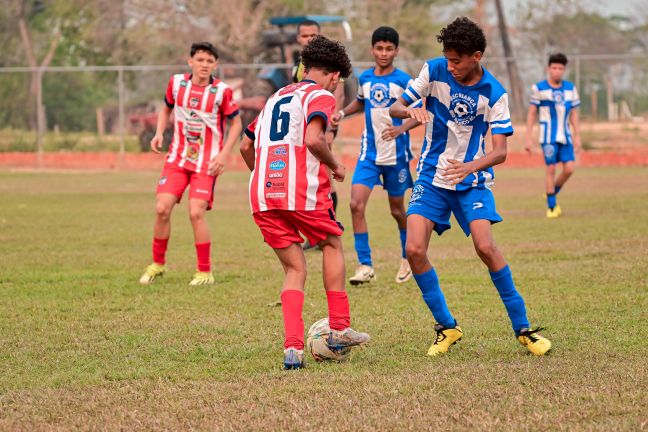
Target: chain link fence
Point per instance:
(113, 108)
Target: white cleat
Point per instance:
(363, 274)
(404, 273)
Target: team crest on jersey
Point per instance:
(463, 108)
(417, 193)
(193, 102)
(558, 97)
(379, 95)
(183, 83)
(213, 90)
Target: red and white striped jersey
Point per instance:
(199, 120)
(286, 175)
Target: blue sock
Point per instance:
(513, 301)
(362, 248)
(557, 189)
(403, 237)
(428, 282)
(551, 201)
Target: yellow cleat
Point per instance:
(202, 278)
(446, 337)
(558, 210)
(533, 341)
(152, 272)
(554, 213)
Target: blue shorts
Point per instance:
(436, 204)
(396, 179)
(555, 152)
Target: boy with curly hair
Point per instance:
(286, 150)
(462, 101)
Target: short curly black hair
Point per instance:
(323, 53)
(559, 58)
(463, 36)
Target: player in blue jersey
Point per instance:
(462, 101)
(385, 150)
(555, 103)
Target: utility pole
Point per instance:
(511, 65)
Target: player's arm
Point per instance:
(391, 132)
(234, 128)
(354, 107)
(315, 141)
(574, 119)
(532, 118)
(401, 109)
(162, 120)
(247, 151)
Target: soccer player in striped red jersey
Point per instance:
(201, 104)
(286, 150)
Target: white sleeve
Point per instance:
(418, 88)
(499, 117)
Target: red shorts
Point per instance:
(174, 181)
(281, 228)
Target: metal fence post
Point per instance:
(578, 73)
(122, 126)
(39, 117)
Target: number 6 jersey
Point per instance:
(287, 176)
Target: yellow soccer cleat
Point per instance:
(558, 210)
(202, 278)
(533, 341)
(554, 213)
(404, 273)
(152, 272)
(446, 337)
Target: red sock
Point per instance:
(292, 302)
(159, 250)
(203, 252)
(338, 308)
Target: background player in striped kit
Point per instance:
(286, 150)
(462, 101)
(200, 104)
(555, 103)
(385, 150)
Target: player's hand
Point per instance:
(420, 114)
(217, 164)
(338, 173)
(578, 147)
(391, 132)
(528, 147)
(336, 119)
(456, 171)
(156, 143)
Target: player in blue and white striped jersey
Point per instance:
(462, 102)
(554, 102)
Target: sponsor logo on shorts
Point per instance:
(281, 151)
(162, 180)
(202, 191)
(477, 205)
(417, 193)
(402, 175)
(275, 195)
(277, 165)
(275, 175)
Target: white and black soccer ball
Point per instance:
(317, 345)
(461, 109)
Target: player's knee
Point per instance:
(569, 169)
(486, 250)
(398, 213)
(196, 214)
(357, 206)
(163, 210)
(415, 252)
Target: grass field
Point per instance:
(83, 346)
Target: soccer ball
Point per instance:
(318, 346)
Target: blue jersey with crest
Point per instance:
(554, 106)
(461, 117)
(378, 93)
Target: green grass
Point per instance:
(83, 346)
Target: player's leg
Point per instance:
(566, 172)
(282, 236)
(566, 157)
(201, 198)
(419, 230)
(359, 197)
(397, 179)
(551, 157)
(171, 186)
(333, 274)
